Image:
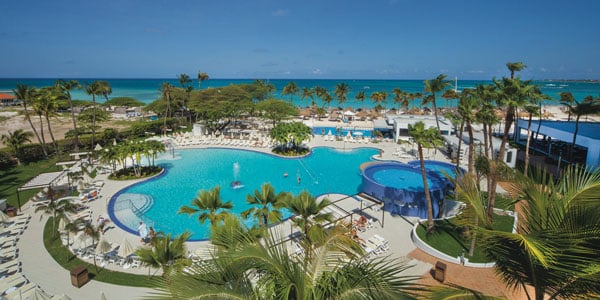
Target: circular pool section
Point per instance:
(400, 187)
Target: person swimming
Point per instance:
(285, 174)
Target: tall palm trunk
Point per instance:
(51, 134)
(76, 137)
(474, 237)
(486, 151)
(574, 137)
(42, 130)
(471, 148)
(510, 114)
(430, 225)
(460, 135)
(93, 127)
(527, 144)
(28, 117)
(435, 113)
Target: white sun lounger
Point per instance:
(23, 292)
(13, 281)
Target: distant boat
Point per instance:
(366, 87)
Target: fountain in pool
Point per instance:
(236, 184)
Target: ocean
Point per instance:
(148, 90)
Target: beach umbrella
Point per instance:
(82, 239)
(4, 218)
(329, 133)
(114, 142)
(103, 247)
(126, 249)
(98, 147)
(61, 297)
(61, 224)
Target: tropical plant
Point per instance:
(360, 97)
(231, 273)
(209, 206)
(341, 92)
(309, 215)
(515, 67)
(15, 140)
(585, 107)
(47, 103)
(168, 254)
(467, 106)
(398, 97)
(555, 246)
(94, 89)
(57, 209)
(308, 93)
(434, 86)
(166, 93)
(266, 205)
(567, 99)
(276, 110)
(290, 89)
(24, 93)
(66, 86)
(291, 136)
(449, 95)
(201, 77)
(425, 138)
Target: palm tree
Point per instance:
(290, 89)
(202, 77)
(467, 106)
(512, 93)
(555, 245)
(434, 86)
(425, 138)
(166, 92)
(450, 94)
(169, 255)
(515, 67)
(94, 233)
(398, 96)
(94, 89)
(266, 205)
(38, 109)
(341, 92)
(320, 91)
(15, 140)
(360, 97)
(308, 213)
(308, 93)
(329, 274)
(567, 99)
(587, 106)
(48, 103)
(184, 80)
(326, 97)
(66, 86)
(209, 206)
(24, 93)
(57, 209)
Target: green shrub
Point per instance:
(6, 160)
(129, 173)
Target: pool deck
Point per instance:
(39, 267)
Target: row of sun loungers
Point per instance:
(258, 143)
(13, 284)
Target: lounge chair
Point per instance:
(11, 282)
(24, 292)
(9, 264)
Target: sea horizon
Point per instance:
(147, 90)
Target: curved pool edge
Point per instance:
(111, 203)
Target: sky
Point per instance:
(272, 39)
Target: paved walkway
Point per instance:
(39, 267)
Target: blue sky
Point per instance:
(370, 39)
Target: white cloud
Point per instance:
(281, 12)
(316, 71)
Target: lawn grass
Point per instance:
(447, 237)
(15, 177)
(69, 261)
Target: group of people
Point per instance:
(146, 234)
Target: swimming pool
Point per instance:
(325, 170)
(401, 188)
(343, 131)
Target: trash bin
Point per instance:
(11, 212)
(440, 271)
(79, 276)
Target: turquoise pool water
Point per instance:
(408, 179)
(326, 170)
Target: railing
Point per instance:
(139, 212)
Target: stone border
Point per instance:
(456, 260)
